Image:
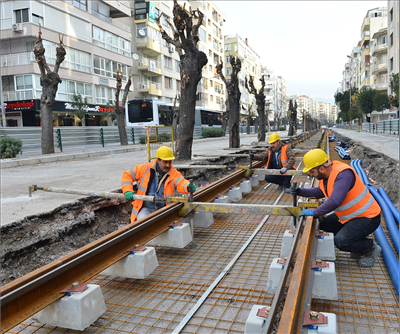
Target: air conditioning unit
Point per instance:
(17, 27)
(171, 48)
(142, 86)
(220, 36)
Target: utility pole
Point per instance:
(3, 107)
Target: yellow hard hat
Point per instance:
(273, 138)
(314, 158)
(164, 153)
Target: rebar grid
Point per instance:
(367, 303)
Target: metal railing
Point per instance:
(389, 127)
(17, 59)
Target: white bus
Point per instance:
(153, 112)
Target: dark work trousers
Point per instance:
(351, 236)
(280, 180)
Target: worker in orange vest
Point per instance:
(157, 178)
(278, 156)
(356, 213)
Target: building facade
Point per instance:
(97, 45)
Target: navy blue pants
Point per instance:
(351, 236)
(280, 180)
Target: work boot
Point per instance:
(280, 187)
(368, 259)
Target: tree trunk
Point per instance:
(46, 113)
(234, 122)
(248, 124)
(261, 116)
(123, 137)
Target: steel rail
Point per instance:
(29, 294)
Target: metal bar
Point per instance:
(200, 166)
(291, 317)
(273, 210)
(262, 171)
(221, 155)
(103, 194)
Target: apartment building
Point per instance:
(268, 90)
(239, 47)
(374, 21)
(97, 45)
(393, 37)
(379, 71)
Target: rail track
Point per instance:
(211, 287)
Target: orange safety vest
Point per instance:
(358, 202)
(141, 174)
(284, 157)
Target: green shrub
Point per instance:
(213, 132)
(10, 147)
(162, 137)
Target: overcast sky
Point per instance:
(305, 42)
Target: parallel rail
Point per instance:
(27, 295)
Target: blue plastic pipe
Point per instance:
(394, 210)
(391, 261)
(391, 224)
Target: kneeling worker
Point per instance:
(156, 178)
(356, 215)
(278, 156)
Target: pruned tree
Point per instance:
(293, 119)
(120, 109)
(225, 116)
(260, 101)
(232, 88)
(278, 112)
(185, 39)
(79, 104)
(111, 114)
(267, 111)
(49, 81)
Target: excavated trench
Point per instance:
(37, 240)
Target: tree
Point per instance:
(79, 104)
(267, 111)
(366, 99)
(260, 101)
(381, 101)
(277, 118)
(192, 62)
(394, 86)
(111, 114)
(343, 100)
(293, 119)
(49, 81)
(232, 88)
(120, 109)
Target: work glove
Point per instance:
(283, 170)
(129, 195)
(307, 212)
(191, 188)
(294, 190)
(251, 156)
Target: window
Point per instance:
(202, 35)
(168, 83)
(391, 64)
(107, 40)
(391, 39)
(177, 65)
(228, 59)
(21, 15)
(383, 39)
(228, 47)
(23, 82)
(168, 62)
(37, 19)
(108, 68)
(229, 71)
(82, 4)
(105, 94)
(391, 15)
(101, 10)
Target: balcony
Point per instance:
(17, 59)
(149, 66)
(378, 48)
(365, 37)
(150, 46)
(378, 68)
(152, 88)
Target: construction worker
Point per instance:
(278, 156)
(157, 178)
(356, 213)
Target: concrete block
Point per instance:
(80, 155)
(245, 187)
(325, 246)
(176, 237)
(254, 322)
(222, 199)
(287, 241)
(275, 273)
(329, 328)
(27, 162)
(325, 284)
(254, 181)
(261, 177)
(200, 219)
(76, 312)
(235, 194)
(138, 264)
